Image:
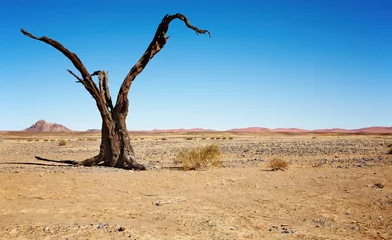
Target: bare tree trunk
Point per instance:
(115, 149)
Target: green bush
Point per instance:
(199, 158)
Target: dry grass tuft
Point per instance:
(278, 164)
(389, 151)
(199, 158)
(62, 142)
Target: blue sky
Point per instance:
(281, 63)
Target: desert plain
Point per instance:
(337, 186)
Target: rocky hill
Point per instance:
(43, 126)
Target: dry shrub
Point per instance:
(199, 158)
(389, 151)
(62, 142)
(189, 138)
(278, 164)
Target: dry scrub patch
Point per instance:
(62, 142)
(390, 151)
(199, 158)
(276, 164)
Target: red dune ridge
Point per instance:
(43, 126)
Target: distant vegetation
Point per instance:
(199, 158)
(390, 151)
(278, 164)
(62, 142)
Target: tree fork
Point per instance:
(115, 149)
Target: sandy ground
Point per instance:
(336, 187)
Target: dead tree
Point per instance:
(115, 149)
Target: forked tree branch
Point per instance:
(104, 88)
(86, 79)
(107, 92)
(157, 43)
(77, 77)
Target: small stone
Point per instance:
(46, 229)
(286, 232)
(102, 225)
(120, 228)
(378, 185)
(14, 231)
